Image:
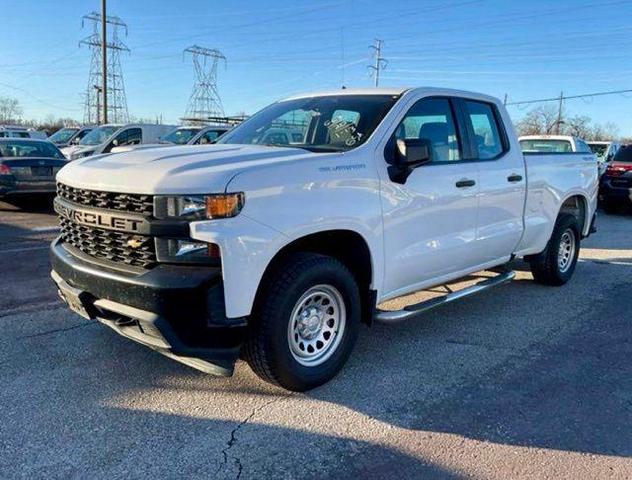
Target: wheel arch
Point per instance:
(577, 205)
(347, 246)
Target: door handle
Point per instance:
(465, 183)
(514, 178)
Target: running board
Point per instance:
(410, 311)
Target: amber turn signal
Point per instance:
(224, 205)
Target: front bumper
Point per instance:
(175, 309)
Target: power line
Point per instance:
(570, 97)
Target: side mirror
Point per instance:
(413, 152)
(115, 142)
(408, 154)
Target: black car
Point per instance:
(615, 187)
(28, 166)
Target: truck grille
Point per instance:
(116, 246)
(119, 247)
(124, 202)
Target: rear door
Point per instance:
(502, 180)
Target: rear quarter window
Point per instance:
(546, 146)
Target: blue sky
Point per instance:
(527, 50)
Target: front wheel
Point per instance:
(556, 264)
(305, 323)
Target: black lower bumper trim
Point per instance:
(172, 308)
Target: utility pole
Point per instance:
(559, 113)
(505, 101)
(380, 62)
(104, 58)
(98, 96)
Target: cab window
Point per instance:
(131, 136)
(582, 147)
(432, 119)
(484, 124)
(208, 137)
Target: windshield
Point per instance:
(328, 123)
(181, 136)
(98, 135)
(598, 149)
(546, 146)
(25, 148)
(624, 155)
(63, 135)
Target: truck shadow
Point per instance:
(525, 379)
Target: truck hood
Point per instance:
(74, 150)
(173, 170)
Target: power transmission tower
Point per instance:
(380, 62)
(204, 102)
(114, 106)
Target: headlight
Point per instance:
(174, 250)
(200, 207)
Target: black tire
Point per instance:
(267, 348)
(545, 266)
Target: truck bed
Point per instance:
(551, 179)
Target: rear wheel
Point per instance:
(556, 264)
(305, 323)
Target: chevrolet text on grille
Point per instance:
(97, 219)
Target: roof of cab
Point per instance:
(396, 91)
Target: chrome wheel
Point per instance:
(566, 252)
(316, 325)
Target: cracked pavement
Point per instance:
(524, 381)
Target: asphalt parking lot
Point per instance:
(524, 381)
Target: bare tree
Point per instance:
(578, 126)
(543, 120)
(10, 110)
(539, 121)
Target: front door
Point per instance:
(430, 218)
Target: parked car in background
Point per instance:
(180, 135)
(69, 136)
(605, 152)
(204, 136)
(279, 252)
(553, 144)
(28, 166)
(96, 137)
(121, 138)
(209, 134)
(10, 131)
(615, 187)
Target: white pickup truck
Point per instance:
(278, 252)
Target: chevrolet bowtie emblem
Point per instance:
(134, 243)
